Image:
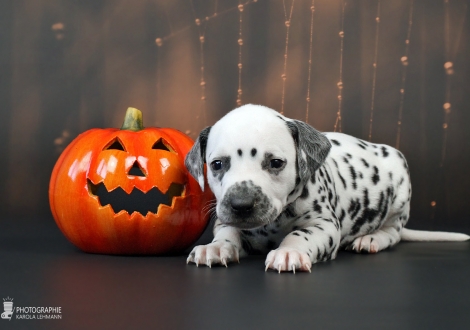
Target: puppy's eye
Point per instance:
(276, 163)
(216, 165)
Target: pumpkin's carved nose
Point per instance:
(135, 170)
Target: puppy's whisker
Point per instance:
(210, 204)
(211, 211)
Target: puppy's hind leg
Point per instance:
(386, 236)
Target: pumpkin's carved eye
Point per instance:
(115, 144)
(162, 145)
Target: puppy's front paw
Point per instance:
(214, 253)
(288, 259)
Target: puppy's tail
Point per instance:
(430, 236)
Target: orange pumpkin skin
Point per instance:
(98, 229)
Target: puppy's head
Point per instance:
(256, 158)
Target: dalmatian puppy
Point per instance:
(285, 189)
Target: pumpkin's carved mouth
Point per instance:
(136, 200)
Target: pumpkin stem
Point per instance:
(133, 120)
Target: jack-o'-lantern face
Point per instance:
(127, 192)
(136, 178)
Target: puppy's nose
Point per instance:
(242, 204)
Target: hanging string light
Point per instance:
(404, 62)
(374, 69)
(287, 22)
(338, 121)
(312, 10)
(240, 64)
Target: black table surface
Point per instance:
(412, 286)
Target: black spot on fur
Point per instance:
(334, 161)
(328, 177)
(330, 196)
(342, 215)
(313, 178)
(330, 241)
(345, 160)
(360, 145)
(375, 176)
(369, 214)
(335, 142)
(289, 212)
(316, 206)
(306, 231)
(253, 152)
(319, 227)
(306, 238)
(354, 208)
(304, 193)
(318, 253)
(295, 234)
(240, 152)
(366, 200)
(342, 180)
(353, 176)
(385, 153)
(366, 164)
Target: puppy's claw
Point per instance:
(197, 262)
(267, 267)
(308, 268)
(209, 263)
(224, 262)
(293, 269)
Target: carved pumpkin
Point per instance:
(126, 191)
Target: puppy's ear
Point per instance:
(312, 148)
(196, 157)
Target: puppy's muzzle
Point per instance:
(245, 206)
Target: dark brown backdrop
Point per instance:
(67, 66)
